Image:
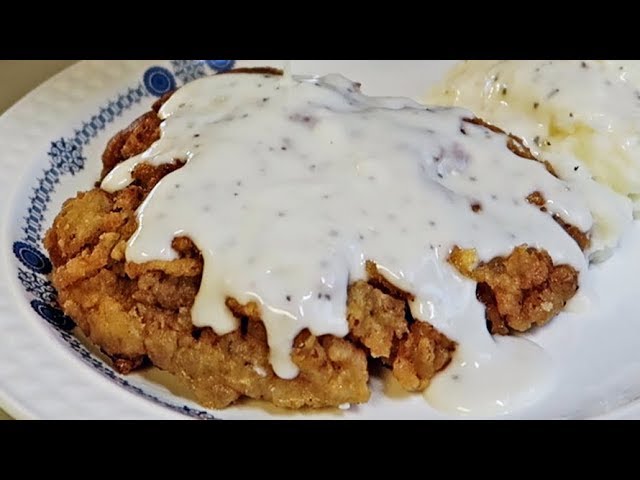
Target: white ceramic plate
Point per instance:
(51, 146)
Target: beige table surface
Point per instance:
(18, 77)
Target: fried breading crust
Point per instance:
(520, 291)
(136, 313)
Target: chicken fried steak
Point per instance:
(141, 312)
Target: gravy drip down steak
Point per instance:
(272, 237)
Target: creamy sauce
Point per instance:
(486, 384)
(292, 183)
(581, 116)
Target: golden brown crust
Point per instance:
(137, 312)
(376, 320)
(520, 291)
(420, 356)
(131, 141)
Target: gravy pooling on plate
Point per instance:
(291, 184)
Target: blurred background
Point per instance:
(17, 78)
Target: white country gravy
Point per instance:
(582, 116)
(291, 184)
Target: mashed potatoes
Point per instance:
(581, 116)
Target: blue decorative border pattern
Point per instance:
(159, 81)
(66, 157)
